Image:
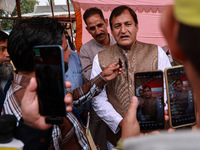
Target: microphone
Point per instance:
(126, 64)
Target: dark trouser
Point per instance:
(111, 137)
(98, 130)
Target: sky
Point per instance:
(57, 2)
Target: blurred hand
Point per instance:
(68, 97)
(30, 108)
(167, 126)
(166, 115)
(111, 71)
(130, 126)
(142, 104)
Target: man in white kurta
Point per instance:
(135, 56)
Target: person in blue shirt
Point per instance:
(74, 75)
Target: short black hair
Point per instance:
(3, 36)
(141, 90)
(28, 33)
(147, 87)
(92, 11)
(179, 80)
(119, 10)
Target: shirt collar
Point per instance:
(21, 80)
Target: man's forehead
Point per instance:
(126, 17)
(147, 89)
(94, 19)
(3, 42)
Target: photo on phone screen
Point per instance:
(49, 69)
(149, 91)
(180, 98)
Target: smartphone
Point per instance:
(180, 98)
(49, 70)
(149, 91)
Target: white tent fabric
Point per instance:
(148, 12)
(7, 5)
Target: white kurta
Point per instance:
(104, 108)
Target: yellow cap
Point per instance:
(188, 12)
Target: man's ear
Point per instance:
(170, 29)
(137, 27)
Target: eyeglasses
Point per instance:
(3, 49)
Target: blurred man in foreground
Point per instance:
(181, 27)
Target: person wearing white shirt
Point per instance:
(112, 104)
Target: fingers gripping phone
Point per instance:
(149, 91)
(180, 98)
(49, 70)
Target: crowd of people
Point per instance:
(96, 83)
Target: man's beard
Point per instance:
(6, 71)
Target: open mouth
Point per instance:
(6, 61)
(124, 37)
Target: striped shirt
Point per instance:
(69, 135)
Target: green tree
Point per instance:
(27, 6)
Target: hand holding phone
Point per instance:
(149, 91)
(180, 98)
(49, 70)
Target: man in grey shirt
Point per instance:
(97, 27)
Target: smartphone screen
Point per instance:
(149, 91)
(49, 69)
(180, 98)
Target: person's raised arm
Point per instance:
(30, 106)
(102, 106)
(130, 125)
(94, 87)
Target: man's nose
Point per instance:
(123, 28)
(98, 31)
(6, 53)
